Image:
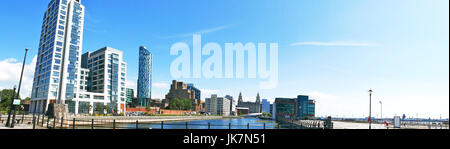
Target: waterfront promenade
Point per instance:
(365, 125)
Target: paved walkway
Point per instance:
(17, 126)
(355, 125)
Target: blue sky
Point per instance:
(333, 51)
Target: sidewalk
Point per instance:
(17, 126)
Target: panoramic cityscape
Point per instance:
(75, 80)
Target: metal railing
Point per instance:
(82, 123)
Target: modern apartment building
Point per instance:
(217, 105)
(106, 83)
(144, 84)
(58, 68)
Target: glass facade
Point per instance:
(60, 43)
(130, 96)
(265, 106)
(295, 108)
(144, 77)
(74, 50)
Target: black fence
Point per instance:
(40, 121)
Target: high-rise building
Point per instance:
(58, 67)
(144, 88)
(265, 106)
(218, 105)
(130, 96)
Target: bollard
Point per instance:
(73, 123)
(54, 122)
(43, 118)
(92, 124)
(48, 120)
(114, 124)
(62, 121)
(34, 120)
(23, 115)
(38, 119)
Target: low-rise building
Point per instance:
(294, 108)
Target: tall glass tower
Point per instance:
(58, 63)
(144, 87)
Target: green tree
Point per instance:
(99, 108)
(6, 96)
(187, 104)
(180, 104)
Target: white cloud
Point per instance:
(131, 84)
(158, 96)
(334, 44)
(161, 85)
(209, 91)
(10, 70)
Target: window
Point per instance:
(60, 33)
(56, 67)
(55, 74)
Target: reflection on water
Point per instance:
(236, 123)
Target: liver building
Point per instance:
(254, 107)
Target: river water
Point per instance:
(235, 123)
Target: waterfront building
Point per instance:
(306, 107)
(155, 103)
(232, 104)
(181, 90)
(242, 110)
(271, 108)
(105, 85)
(294, 108)
(58, 67)
(130, 96)
(217, 105)
(265, 106)
(144, 84)
(254, 107)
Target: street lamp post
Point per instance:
(11, 108)
(370, 109)
(20, 84)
